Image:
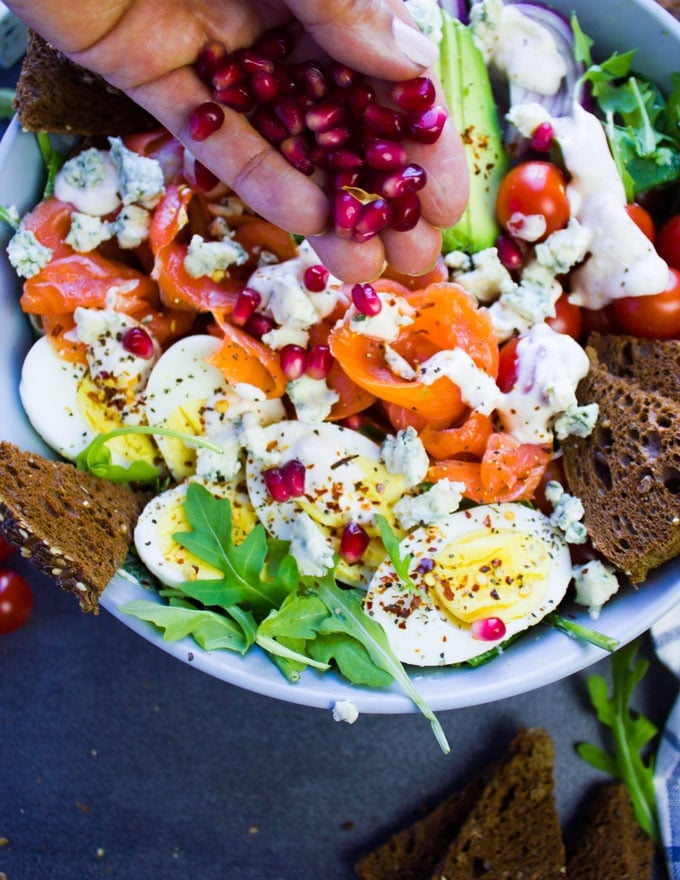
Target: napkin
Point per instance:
(666, 637)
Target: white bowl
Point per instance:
(540, 657)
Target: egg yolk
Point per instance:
(180, 457)
(503, 573)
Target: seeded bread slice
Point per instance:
(512, 832)
(608, 844)
(627, 473)
(74, 527)
(54, 94)
(653, 364)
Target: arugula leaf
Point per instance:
(348, 616)
(208, 629)
(401, 564)
(351, 658)
(631, 732)
(299, 617)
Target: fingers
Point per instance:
(445, 195)
(375, 37)
(414, 252)
(238, 155)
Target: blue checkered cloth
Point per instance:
(666, 636)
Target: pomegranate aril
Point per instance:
(315, 278)
(252, 62)
(276, 484)
(285, 80)
(265, 86)
(354, 422)
(385, 122)
(393, 184)
(343, 76)
(137, 341)
(269, 126)
(258, 324)
(311, 79)
(366, 299)
(509, 252)
(205, 120)
(293, 359)
(374, 217)
(406, 212)
(247, 302)
(385, 155)
(293, 473)
(334, 138)
(543, 137)
(414, 94)
(275, 44)
(359, 96)
(346, 210)
(325, 115)
(228, 74)
(210, 58)
(426, 127)
(291, 113)
(354, 542)
(296, 151)
(237, 97)
(319, 362)
(348, 177)
(489, 629)
(342, 160)
(205, 179)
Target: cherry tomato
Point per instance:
(507, 365)
(529, 189)
(16, 601)
(668, 241)
(642, 219)
(656, 316)
(599, 321)
(567, 318)
(6, 549)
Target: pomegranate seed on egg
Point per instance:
(489, 629)
(354, 542)
(509, 252)
(237, 97)
(319, 362)
(543, 137)
(293, 360)
(294, 473)
(406, 212)
(414, 94)
(366, 299)
(205, 120)
(277, 484)
(315, 278)
(137, 341)
(246, 303)
(426, 127)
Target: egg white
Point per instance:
(338, 487)
(419, 630)
(164, 515)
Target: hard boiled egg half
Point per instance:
(345, 481)
(495, 562)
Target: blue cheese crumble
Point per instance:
(434, 505)
(567, 513)
(211, 258)
(404, 453)
(87, 232)
(595, 583)
(309, 547)
(140, 179)
(312, 399)
(26, 254)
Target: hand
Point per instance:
(148, 48)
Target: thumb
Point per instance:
(375, 37)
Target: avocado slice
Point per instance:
(465, 80)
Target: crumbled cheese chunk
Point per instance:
(404, 453)
(427, 15)
(567, 513)
(289, 305)
(527, 117)
(576, 421)
(312, 398)
(477, 389)
(309, 546)
(26, 254)
(140, 178)
(488, 278)
(398, 364)
(345, 710)
(85, 170)
(87, 232)
(132, 226)
(205, 258)
(595, 583)
(432, 506)
(386, 325)
(564, 248)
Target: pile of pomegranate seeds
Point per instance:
(325, 120)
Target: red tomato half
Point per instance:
(642, 219)
(533, 188)
(668, 241)
(16, 601)
(656, 316)
(568, 318)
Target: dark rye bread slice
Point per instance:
(608, 843)
(74, 527)
(627, 472)
(653, 364)
(512, 831)
(54, 94)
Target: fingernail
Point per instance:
(416, 46)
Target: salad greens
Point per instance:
(631, 732)
(642, 126)
(299, 621)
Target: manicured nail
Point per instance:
(416, 46)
